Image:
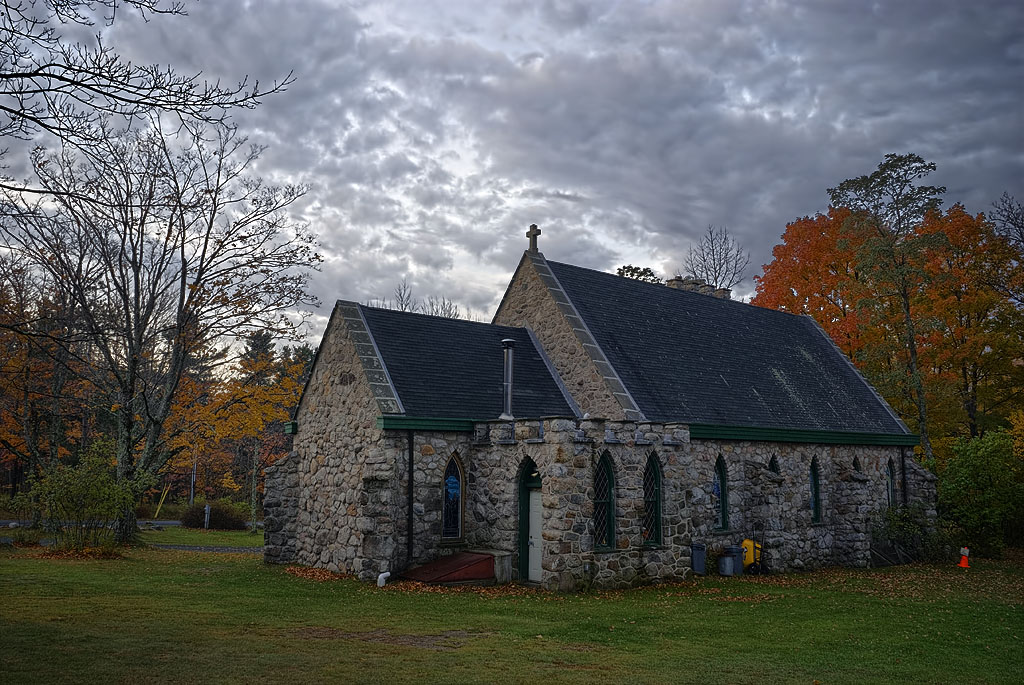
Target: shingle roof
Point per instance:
(453, 368)
(698, 359)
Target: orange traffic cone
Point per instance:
(964, 553)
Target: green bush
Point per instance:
(25, 536)
(81, 503)
(910, 531)
(981, 490)
(224, 515)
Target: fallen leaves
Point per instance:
(487, 591)
(319, 575)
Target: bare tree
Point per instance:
(62, 89)
(441, 306)
(718, 258)
(1008, 216)
(405, 301)
(183, 248)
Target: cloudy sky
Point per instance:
(432, 133)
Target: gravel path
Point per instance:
(186, 548)
(222, 550)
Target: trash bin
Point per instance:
(736, 552)
(698, 557)
(726, 566)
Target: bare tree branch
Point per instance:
(61, 90)
(718, 258)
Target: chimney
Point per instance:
(706, 288)
(676, 282)
(508, 345)
(723, 293)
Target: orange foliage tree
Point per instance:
(971, 332)
(229, 427)
(967, 331)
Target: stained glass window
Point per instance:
(720, 488)
(604, 505)
(451, 504)
(652, 501)
(815, 492)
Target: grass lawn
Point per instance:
(190, 616)
(179, 535)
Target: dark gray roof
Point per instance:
(694, 358)
(450, 368)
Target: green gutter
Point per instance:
(711, 432)
(424, 424)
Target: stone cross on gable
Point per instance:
(532, 235)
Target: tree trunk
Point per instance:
(126, 528)
(915, 375)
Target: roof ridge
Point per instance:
(436, 317)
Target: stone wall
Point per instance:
(333, 498)
(281, 511)
(762, 504)
(528, 303)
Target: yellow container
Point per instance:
(751, 552)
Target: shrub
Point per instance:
(24, 536)
(981, 489)
(908, 531)
(224, 515)
(81, 503)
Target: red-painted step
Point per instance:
(455, 568)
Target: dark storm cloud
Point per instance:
(431, 134)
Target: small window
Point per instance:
(773, 465)
(720, 488)
(604, 504)
(856, 465)
(451, 501)
(890, 483)
(815, 492)
(652, 501)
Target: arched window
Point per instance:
(652, 501)
(815, 492)
(604, 503)
(890, 483)
(720, 487)
(773, 465)
(856, 465)
(451, 500)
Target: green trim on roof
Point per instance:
(713, 432)
(424, 423)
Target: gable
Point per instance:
(534, 299)
(702, 360)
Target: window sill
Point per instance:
(724, 531)
(452, 542)
(653, 545)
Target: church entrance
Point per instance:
(531, 517)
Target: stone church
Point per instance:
(591, 435)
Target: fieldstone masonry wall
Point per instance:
(528, 302)
(281, 511)
(331, 500)
(350, 515)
